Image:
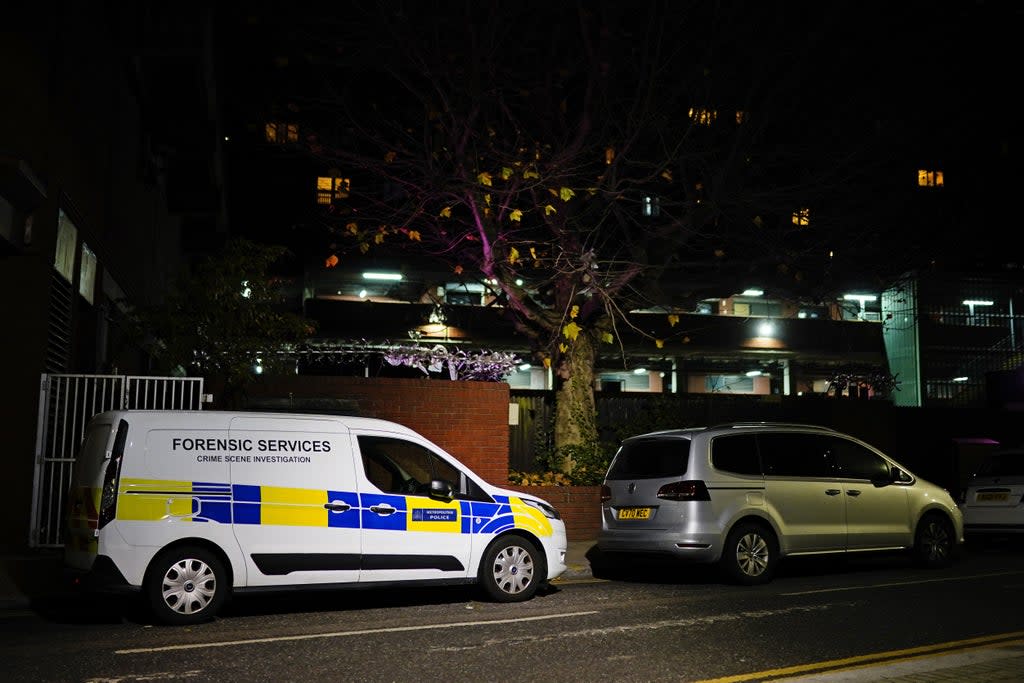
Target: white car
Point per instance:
(993, 502)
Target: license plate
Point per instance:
(634, 513)
(992, 496)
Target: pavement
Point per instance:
(30, 578)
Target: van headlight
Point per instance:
(545, 509)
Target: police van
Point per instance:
(188, 507)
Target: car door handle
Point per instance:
(337, 507)
(853, 492)
(832, 492)
(383, 509)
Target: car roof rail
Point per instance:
(732, 425)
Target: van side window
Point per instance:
(856, 462)
(404, 467)
(736, 453)
(796, 455)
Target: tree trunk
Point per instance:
(575, 411)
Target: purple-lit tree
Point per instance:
(583, 160)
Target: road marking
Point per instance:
(343, 634)
(876, 659)
(900, 583)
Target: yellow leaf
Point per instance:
(378, 238)
(660, 343)
(414, 235)
(364, 247)
(458, 270)
(487, 212)
(575, 311)
(571, 331)
(563, 348)
(446, 212)
(667, 174)
(719, 253)
(484, 178)
(530, 173)
(390, 157)
(758, 221)
(552, 192)
(548, 210)
(607, 337)
(547, 363)
(686, 340)
(506, 173)
(352, 228)
(516, 215)
(513, 255)
(673, 320)
(533, 253)
(566, 194)
(332, 261)
(487, 199)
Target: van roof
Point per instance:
(212, 418)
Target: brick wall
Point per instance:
(467, 419)
(579, 506)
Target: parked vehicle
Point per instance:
(744, 495)
(993, 501)
(187, 507)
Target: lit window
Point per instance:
(87, 274)
(741, 116)
(802, 217)
(279, 133)
(329, 189)
(929, 178)
(704, 117)
(67, 242)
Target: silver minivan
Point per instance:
(744, 495)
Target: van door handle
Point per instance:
(853, 492)
(337, 507)
(832, 492)
(383, 509)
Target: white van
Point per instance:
(189, 506)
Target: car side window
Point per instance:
(796, 455)
(736, 453)
(857, 462)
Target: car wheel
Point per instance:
(934, 542)
(186, 585)
(750, 554)
(512, 569)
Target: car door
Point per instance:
(877, 508)
(406, 533)
(801, 491)
(294, 501)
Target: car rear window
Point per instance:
(1003, 465)
(651, 459)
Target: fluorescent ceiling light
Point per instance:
(766, 329)
(860, 297)
(640, 371)
(754, 373)
(752, 292)
(960, 379)
(382, 276)
(977, 302)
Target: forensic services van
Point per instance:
(188, 507)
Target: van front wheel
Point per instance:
(186, 585)
(512, 569)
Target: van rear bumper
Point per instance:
(102, 577)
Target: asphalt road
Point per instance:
(654, 623)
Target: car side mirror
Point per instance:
(441, 489)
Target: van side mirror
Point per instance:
(441, 489)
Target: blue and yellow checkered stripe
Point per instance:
(151, 500)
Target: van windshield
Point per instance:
(651, 459)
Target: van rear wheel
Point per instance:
(512, 569)
(186, 585)
(750, 554)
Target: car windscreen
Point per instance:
(1003, 465)
(650, 459)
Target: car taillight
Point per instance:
(111, 476)
(684, 490)
(606, 493)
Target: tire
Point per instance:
(750, 554)
(186, 585)
(934, 543)
(512, 570)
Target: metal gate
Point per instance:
(66, 402)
